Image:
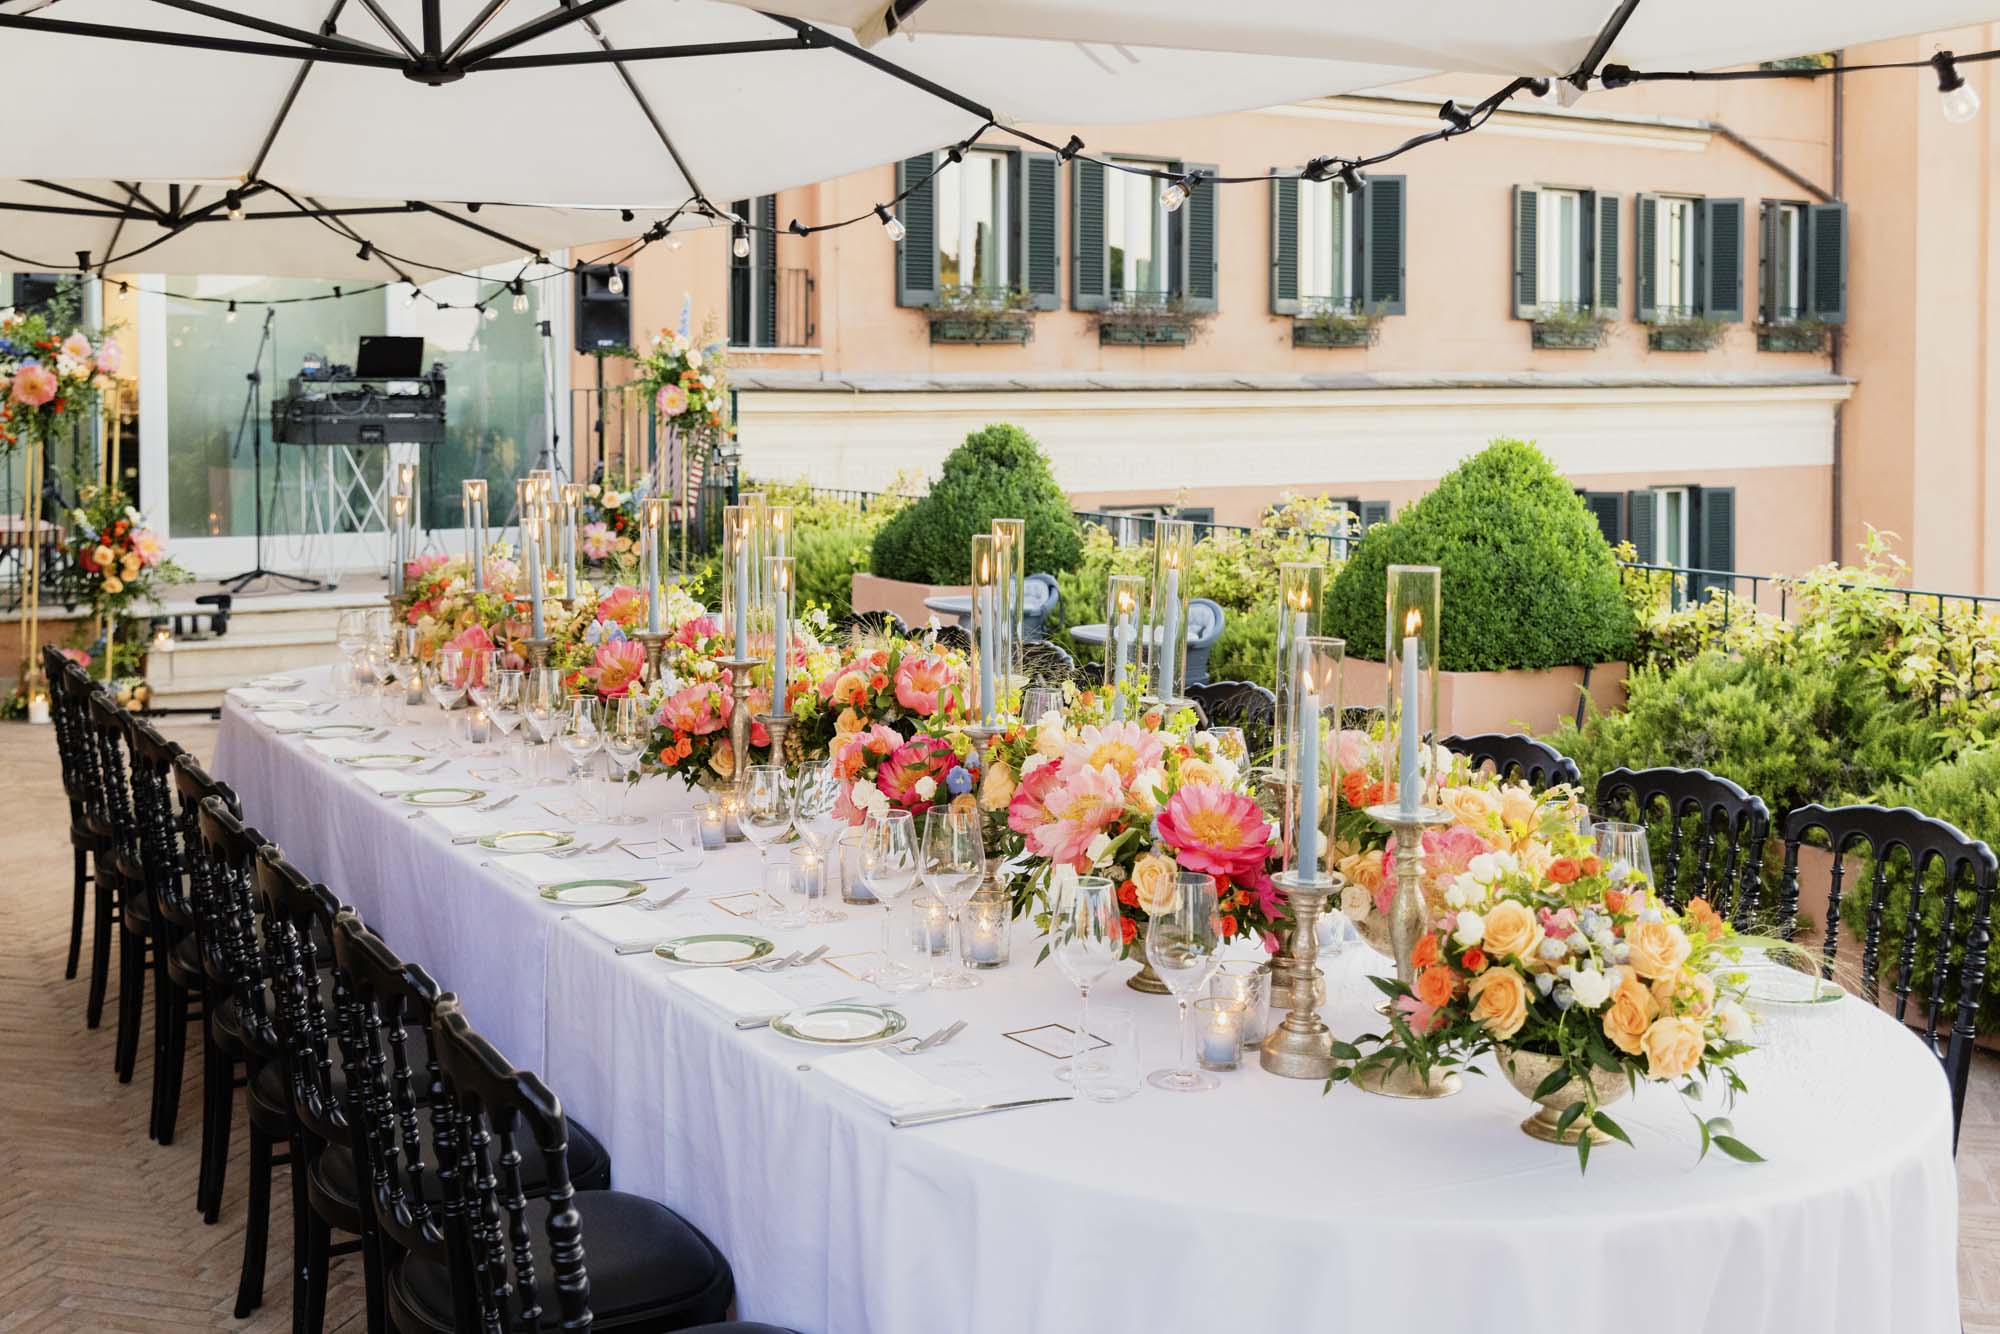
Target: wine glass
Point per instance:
(889, 869)
(447, 681)
(1039, 701)
(816, 814)
(766, 818)
(1231, 745)
(628, 730)
(953, 862)
(1086, 936)
(542, 713)
(482, 668)
(1623, 850)
(503, 707)
(1181, 944)
(581, 736)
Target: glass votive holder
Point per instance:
(714, 825)
(930, 926)
(1218, 1028)
(1247, 983)
(479, 728)
(987, 925)
(852, 890)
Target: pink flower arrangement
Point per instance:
(150, 546)
(1126, 747)
(902, 775)
(1214, 830)
(34, 385)
(692, 631)
(1447, 853)
(475, 643)
(623, 605)
(1029, 811)
(77, 346)
(1083, 803)
(109, 357)
(696, 711)
(617, 667)
(672, 400)
(922, 680)
(598, 543)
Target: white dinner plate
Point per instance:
(444, 796)
(527, 840)
(594, 893)
(274, 683)
(840, 1025)
(287, 705)
(715, 950)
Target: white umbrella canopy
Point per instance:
(184, 227)
(566, 102)
(1545, 37)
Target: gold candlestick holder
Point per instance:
(777, 724)
(1406, 927)
(651, 642)
(1301, 1046)
(739, 724)
(990, 888)
(538, 652)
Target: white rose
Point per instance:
(1356, 904)
(1485, 868)
(1049, 739)
(707, 382)
(1145, 785)
(1590, 988)
(1034, 762)
(1471, 929)
(861, 792)
(1100, 843)
(926, 788)
(1735, 1020)
(694, 358)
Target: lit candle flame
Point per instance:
(1413, 621)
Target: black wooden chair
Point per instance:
(1047, 664)
(1517, 755)
(1729, 828)
(99, 832)
(178, 980)
(863, 623)
(121, 876)
(1243, 704)
(1951, 966)
(215, 958)
(505, 1262)
(953, 637)
(72, 745)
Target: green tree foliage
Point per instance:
(997, 473)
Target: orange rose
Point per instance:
(1499, 1001)
(1614, 899)
(1591, 865)
(1564, 870)
(1704, 917)
(1630, 1013)
(1435, 984)
(1658, 948)
(1426, 952)
(1673, 1047)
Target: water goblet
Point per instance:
(447, 681)
(1231, 745)
(954, 860)
(1623, 850)
(816, 814)
(1039, 701)
(628, 730)
(1181, 945)
(503, 706)
(766, 818)
(542, 714)
(581, 737)
(1086, 936)
(889, 869)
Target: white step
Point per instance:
(266, 634)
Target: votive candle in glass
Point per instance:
(1125, 647)
(987, 924)
(1218, 1033)
(1414, 593)
(1311, 780)
(478, 727)
(1166, 623)
(985, 627)
(714, 826)
(1247, 984)
(930, 926)
(852, 889)
(473, 495)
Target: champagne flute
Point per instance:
(889, 869)
(581, 736)
(542, 713)
(503, 707)
(1086, 936)
(1181, 944)
(628, 729)
(816, 814)
(953, 862)
(765, 819)
(447, 683)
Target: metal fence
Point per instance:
(1772, 594)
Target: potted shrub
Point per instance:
(1333, 324)
(1685, 333)
(981, 315)
(998, 472)
(1533, 609)
(1149, 320)
(1800, 335)
(1570, 327)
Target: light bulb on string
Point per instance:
(740, 247)
(617, 284)
(233, 205)
(489, 313)
(410, 297)
(1173, 196)
(520, 298)
(1957, 100)
(229, 317)
(673, 242)
(890, 223)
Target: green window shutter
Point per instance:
(1039, 243)
(1639, 524)
(1089, 250)
(1527, 251)
(1826, 262)
(1608, 508)
(1200, 262)
(1721, 258)
(1603, 283)
(767, 280)
(1284, 245)
(1383, 205)
(1646, 306)
(916, 253)
(1715, 543)
(1373, 512)
(1767, 261)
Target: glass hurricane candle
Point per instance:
(1413, 622)
(1167, 618)
(739, 559)
(571, 514)
(985, 627)
(1125, 648)
(399, 544)
(1311, 778)
(1010, 580)
(473, 495)
(652, 533)
(1300, 585)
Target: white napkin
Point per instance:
(738, 995)
(386, 781)
(286, 720)
(535, 869)
(891, 1083)
(334, 747)
(629, 930)
(470, 822)
(251, 694)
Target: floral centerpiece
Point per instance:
(901, 683)
(609, 524)
(120, 560)
(46, 377)
(1580, 978)
(686, 381)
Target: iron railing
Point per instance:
(1772, 593)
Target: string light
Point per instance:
(891, 223)
(1351, 178)
(520, 297)
(232, 204)
(410, 298)
(1176, 193)
(1456, 114)
(617, 284)
(230, 317)
(1958, 101)
(740, 247)
(366, 253)
(487, 313)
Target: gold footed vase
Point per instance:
(1301, 1046)
(1526, 1070)
(1145, 980)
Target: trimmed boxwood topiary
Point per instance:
(996, 473)
(1529, 581)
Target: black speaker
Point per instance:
(603, 315)
(33, 291)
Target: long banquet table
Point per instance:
(1264, 1205)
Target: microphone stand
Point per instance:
(253, 416)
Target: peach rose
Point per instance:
(1630, 1013)
(997, 788)
(1153, 881)
(1499, 1001)
(1519, 806)
(1511, 929)
(1199, 771)
(1658, 948)
(1673, 1047)
(1470, 806)
(848, 722)
(1694, 991)
(851, 688)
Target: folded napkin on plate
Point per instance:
(336, 747)
(286, 720)
(888, 1082)
(386, 781)
(471, 822)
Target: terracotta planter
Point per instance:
(871, 592)
(1474, 702)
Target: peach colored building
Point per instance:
(1702, 230)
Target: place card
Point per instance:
(1056, 1040)
(743, 903)
(858, 964)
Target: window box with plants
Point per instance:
(1676, 329)
(1800, 334)
(981, 315)
(1149, 319)
(1336, 323)
(1567, 326)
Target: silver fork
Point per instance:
(769, 965)
(933, 1042)
(654, 905)
(497, 803)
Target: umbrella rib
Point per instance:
(396, 34)
(645, 107)
(552, 59)
(132, 188)
(560, 17)
(339, 55)
(820, 37)
(1601, 46)
(291, 97)
(76, 194)
(299, 35)
(473, 29)
(502, 237)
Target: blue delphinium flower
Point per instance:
(958, 782)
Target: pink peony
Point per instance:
(1447, 853)
(423, 565)
(696, 711)
(1352, 750)
(34, 385)
(77, 346)
(1126, 747)
(695, 629)
(1217, 831)
(617, 667)
(917, 759)
(1028, 810)
(109, 357)
(150, 546)
(474, 643)
(623, 605)
(1082, 803)
(672, 400)
(920, 679)
(598, 543)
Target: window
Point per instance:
(973, 228)
(1674, 257)
(1686, 527)
(1566, 250)
(1135, 230)
(1559, 235)
(1690, 252)
(753, 276)
(1670, 525)
(1787, 260)
(1326, 250)
(1803, 265)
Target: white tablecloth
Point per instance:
(1263, 1205)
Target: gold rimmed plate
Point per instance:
(274, 683)
(591, 893)
(840, 1025)
(334, 731)
(444, 796)
(527, 840)
(715, 949)
(379, 760)
(286, 705)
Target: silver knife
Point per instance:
(958, 1113)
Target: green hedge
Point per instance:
(1529, 581)
(997, 473)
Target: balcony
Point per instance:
(1570, 325)
(1789, 330)
(1683, 329)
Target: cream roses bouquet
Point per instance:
(1580, 965)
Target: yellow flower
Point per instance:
(1511, 929)
(1631, 1011)
(1658, 948)
(113, 584)
(1499, 1001)
(102, 556)
(1198, 771)
(1153, 881)
(1673, 1047)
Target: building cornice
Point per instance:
(1816, 383)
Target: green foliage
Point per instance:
(1529, 581)
(831, 541)
(997, 473)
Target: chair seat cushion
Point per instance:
(589, 1168)
(649, 1269)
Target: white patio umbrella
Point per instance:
(570, 102)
